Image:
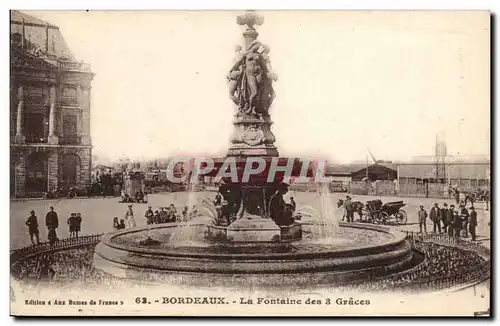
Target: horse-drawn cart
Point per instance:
(380, 213)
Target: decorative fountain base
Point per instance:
(359, 251)
(254, 228)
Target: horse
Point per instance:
(356, 205)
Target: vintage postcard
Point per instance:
(250, 163)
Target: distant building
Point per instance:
(376, 172)
(340, 172)
(49, 110)
(467, 173)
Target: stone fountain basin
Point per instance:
(380, 253)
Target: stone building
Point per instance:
(49, 110)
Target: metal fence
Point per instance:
(61, 244)
(446, 240)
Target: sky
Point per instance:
(388, 81)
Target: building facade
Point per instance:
(50, 94)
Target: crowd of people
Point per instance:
(140, 197)
(455, 222)
(74, 222)
(165, 214)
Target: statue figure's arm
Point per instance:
(269, 68)
(237, 63)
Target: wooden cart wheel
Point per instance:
(401, 217)
(383, 217)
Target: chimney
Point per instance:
(22, 34)
(47, 38)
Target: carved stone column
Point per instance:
(53, 139)
(85, 103)
(20, 137)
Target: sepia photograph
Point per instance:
(250, 163)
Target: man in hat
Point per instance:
(32, 224)
(349, 209)
(149, 216)
(457, 222)
(444, 217)
(473, 223)
(435, 216)
(450, 219)
(422, 219)
(129, 217)
(52, 223)
(464, 217)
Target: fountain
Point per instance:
(255, 239)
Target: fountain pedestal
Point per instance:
(253, 228)
(252, 136)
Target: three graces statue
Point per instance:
(250, 80)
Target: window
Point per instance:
(35, 94)
(70, 129)
(68, 96)
(36, 128)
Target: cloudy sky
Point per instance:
(347, 80)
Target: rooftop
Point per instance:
(36, 32)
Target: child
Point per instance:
(116, 225)
(122, 224)
(72, 224)
(78, 223)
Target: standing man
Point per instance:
(473, 223)
(457, 195)
(52, 223)
(450, 219)
(435, 216)
(149, 216)
(422, 219)
(444, 216)
(487, 198)
(129, 217)
(32, 224)
(349, 209)
(464, 217)
(457, 223)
